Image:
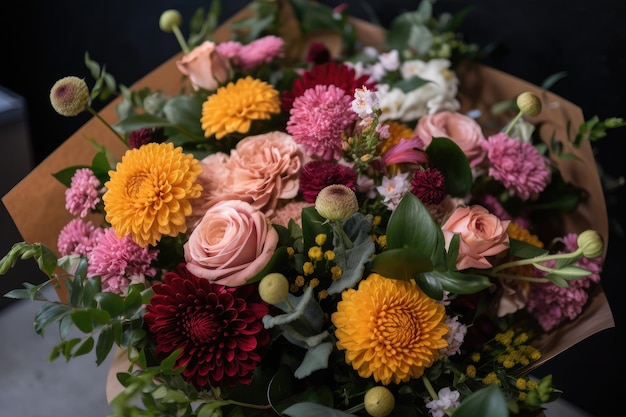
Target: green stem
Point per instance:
(537, 259)
(345, 240)
(429, 387)
(180, 39)
(513, 122)
(519, 278)
(107, 124)
(355, 409)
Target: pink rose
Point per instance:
(232, 243)
(462, 129)
(264, 169)
(482, 234)
(205, 67)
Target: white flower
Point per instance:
(393, 189)
(436, 95)
(447, 399)
(365, 102)
(455, 336)
(390, 60)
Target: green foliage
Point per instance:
(488, 401)
(449, 159)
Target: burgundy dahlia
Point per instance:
(429, 185)
(218, 328)
(332, 73)
(140, 137)
(317, 175)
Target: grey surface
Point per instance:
(31, 386)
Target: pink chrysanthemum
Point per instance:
(552, 305)
(333, 73)
(318, 119)
(120, 262)
(83, 195)
(318, 174)
(78, 237)
(229, 50)
(219, 329)
(140, 137)
(517, 165)
(429, 185)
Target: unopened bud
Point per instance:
(529, 103)
(336, 202)
(273, 288)
(169, 19)
(590, 242)
(379, 401)
(69, 96)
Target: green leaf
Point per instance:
(100, 317)
(410, 84)
(140, 121)
(65, 175)
(185, 111)
(82, 320)
(488, 401)
(48, 314)
(453, 252)
(308, 409)
(85, 347)
(524, 250)
(402, 263)
(111, 302)
(460, 283)
(447, 157)
(168, 364)
(412, 226)
(278, 259)
(104, 345)
(92, 287)
(430, 285)
(551, 80)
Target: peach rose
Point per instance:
(264, 169)
(482, 234)
(205, 67)
(232, 243)
(462, 129)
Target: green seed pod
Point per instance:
(529, 103)
(169, 19)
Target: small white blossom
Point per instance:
(393, 189)
(455, 336)
(390, 60)
(447, 399)
(365, 102)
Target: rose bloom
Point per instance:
(482, 235)
(231, 244)
(205, 67)
(462, 129)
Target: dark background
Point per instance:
(43, 41)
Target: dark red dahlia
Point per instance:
(218, 328)
(319, 174)
(142, 136)
(332, 73)
(317, 54)
(428, 185)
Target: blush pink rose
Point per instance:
(462, 129)
(232, 243)
(205, 67)
(482, 234)
(264, 169)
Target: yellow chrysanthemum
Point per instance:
(233, 107)
(148, 193)
(389, 329)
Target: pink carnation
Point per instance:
(517, 165)
(552, 305)
(120, 262)
(78, 238)
(318, 118)
(83, 194)
(261, 51)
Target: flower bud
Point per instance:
(69, 96)
(273, 288)
(529, 104)
(336, 202)
(379, 401)
(169, 19)
(590, 242)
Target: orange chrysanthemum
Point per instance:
(148, 193)
(389, 329)
(233, 107)
(397, 131)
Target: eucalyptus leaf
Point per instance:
(316, 358)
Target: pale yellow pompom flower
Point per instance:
(148, 193)
(69, 96)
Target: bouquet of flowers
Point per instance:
(319, 217)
